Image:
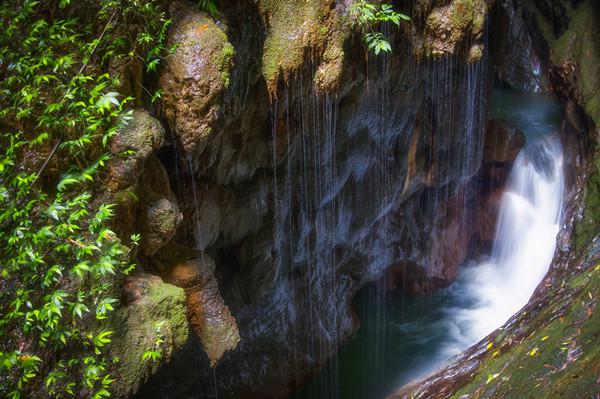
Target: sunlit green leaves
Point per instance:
(59, 253)
(370, 16)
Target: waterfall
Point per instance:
(487, 294)
(529, 220)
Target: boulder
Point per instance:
(447, 25)
(195, 77)
(139, 135)
(158, 221)
(208, 314)
(152, 308)
(502, 141)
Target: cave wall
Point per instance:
(301, 195)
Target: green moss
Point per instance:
(590, 225)
(448, 25)
(141, 133)
(577, 46)
(329, 74)
(461, 14)
(577, 54)
(224, 62)
(215, 39)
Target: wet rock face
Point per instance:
(347, 199)
(551, 332)
(195, 76)
(516, 60)
(502, 141)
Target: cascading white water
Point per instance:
(529, 220)
(486, 295)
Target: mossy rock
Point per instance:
(296, 29)
(448, 26)
(548, 350)
(575, 56)
(140, 134)
(575, 52)
(151, 303)
(557, 359)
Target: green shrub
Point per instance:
(61, 262)
(370, 17)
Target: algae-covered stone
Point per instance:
(575, 54)
(297, 28)
(548, 350)
(152, 306)
(329, 74)
(195, 77)
(575, 59)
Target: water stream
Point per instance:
(406, 337)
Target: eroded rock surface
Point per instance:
(448, 25)
(138, 137)
(139, 184)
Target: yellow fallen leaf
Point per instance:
(533, 352)
(489, 345)
(491, 377)
(545, 338)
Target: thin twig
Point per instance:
(47, 161)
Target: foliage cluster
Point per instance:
(371, 16)
(155, 353)
(60, 260)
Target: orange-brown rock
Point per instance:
(207, 312)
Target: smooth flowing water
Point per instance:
(421, 334)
